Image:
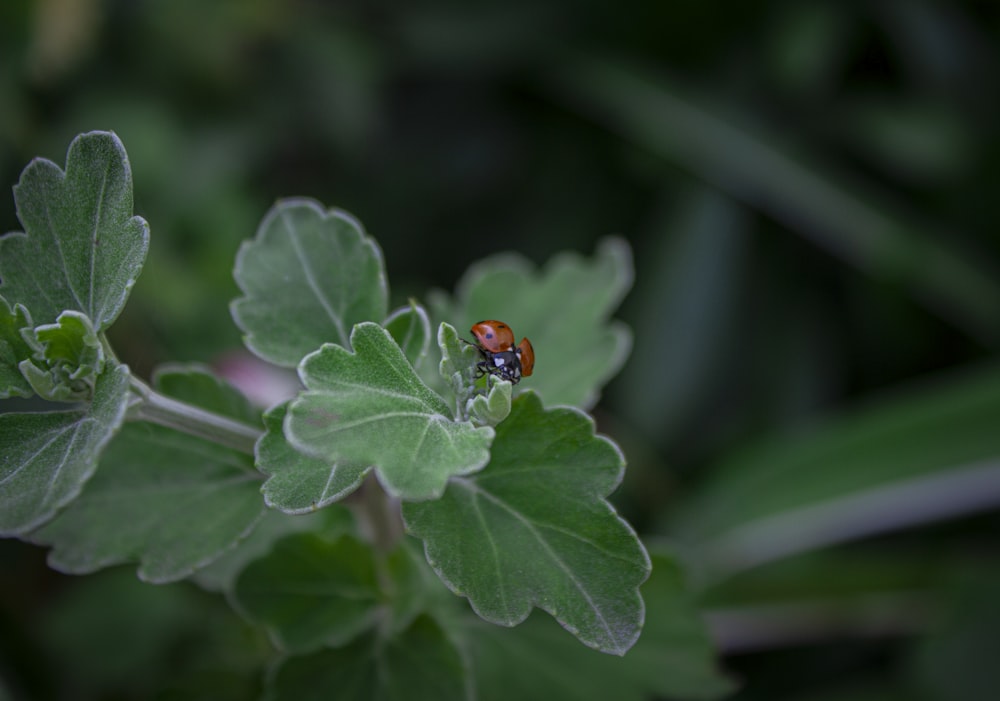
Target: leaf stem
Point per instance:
(163, 410)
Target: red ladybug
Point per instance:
(500, 357)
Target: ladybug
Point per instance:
(500, 357)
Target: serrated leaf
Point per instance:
(45, 458)
(298, 483)
(307, 277)
(419, 663)
(672, 659)
(13, 349)
(169, 501)
(82, 249)
(370, 408)
(68, 358)
(564, 309)
(310, 591)
(534, 529)
(411, 327)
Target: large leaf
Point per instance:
(929, 453)
(82, 249)
(673, 658)
(298, 483)
(564, 309)
(370, 408)
(418, 663)
(534, 529)
(170, 501)
(307, 277)
(45, 458)
(310, 591)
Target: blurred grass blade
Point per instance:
(920, 457)
(952, 494)
(836, 214)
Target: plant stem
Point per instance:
(382, 515)
(165, 411)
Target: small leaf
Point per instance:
(534, 529)
(13, 349)
(82, 249)
(307, 277)
(170, 501)
(490, 409)
(673, 659)
(310, 592)
(563, 309)
(46, 458)
(370, 408)
(68, 358)
(458, 360)
(419, 663)
(411, 328)
(299, 483)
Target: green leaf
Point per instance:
(13, 349)
(564, 309)
(82, 249)
(534, 529)
(168, 500)
(370, 408)
(457, 366)
(919, 456)
(222, 573)
(68, 358)
(673, 658)
(307, 277)
(419, 663)
(490, 409)
(411, 328)
(46, 458)
(298, 483)
(310, 591)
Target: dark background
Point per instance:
(810, 191)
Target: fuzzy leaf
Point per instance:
(534, 529)
(411, 328)
(13, 349)
(68, 358)
(222, 574)
(418, 663)
(456, 368)
(492, 408)
(564, 309)
(310, 592)
(307, 277)
(370, 408)
(82, 249)
(673, 658)
(45, 458)
(170, 501)
(298, 483)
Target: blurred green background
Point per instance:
(812, 408)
